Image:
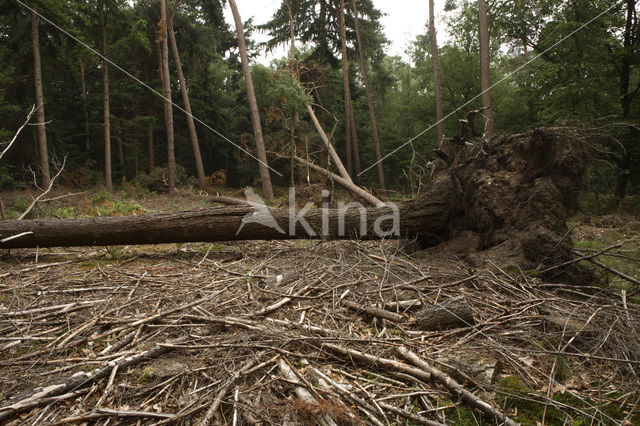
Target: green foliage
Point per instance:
(65, 212)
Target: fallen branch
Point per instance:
(105, 412)
(303, 393)
(46, 191)
(374, 312)
(42, 395)
(614, 271)
(247, 368)
(4, 151)
(455, 388)
(587, 257)
(327, 143)
(347, 184)
(352, 354)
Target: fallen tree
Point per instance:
(513, 192)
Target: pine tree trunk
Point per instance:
(347, 92)
(624, 165)
(187, 106)
(253, 105)
(168, 108)
(485, 68)
(372, 114)
(45, 178)
(83, 86)
(436, 74)
(105, 100)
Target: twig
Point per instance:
(455, 388)
(33, 108)
(46, 191)
(391, 364)
(374, 312)
(221, 393)
(586, 257)
(38, 396)
(614, 271)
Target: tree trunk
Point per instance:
(168, 107)
(83, 86)
(485, 68)
(372, 114)
(215, 224)
(347, 92)
(105, 101)
(253, 106)
(187, 105)
(332, 152)
(436, 74)
(150, 149)
(624, 165)
(45, 177)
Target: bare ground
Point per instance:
(237, 333)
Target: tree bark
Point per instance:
(332, 152)
(624, 165)
(168, 107)
(485, 68)
(105, 102)
(452, 313)
(215, 224)
(347, 92)
(187, 105)
(45, 176)
(436, 74)
(253, 106)
(83, 87)
(372, 114)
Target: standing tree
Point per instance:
(484, 67)
(436, 74)
(626, 96)
(253, 105)
(37, 75)
(367, 88)
(105, 99)
(166, 89)
(85, 107)
(185, 98)
(350, 125)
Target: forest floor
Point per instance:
(292, 332)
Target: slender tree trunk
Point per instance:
(105, 100)
(168, 108)
(624, 165)
(485, 67)
(347, 91)
(147, 77)
(151, 165)
(83, 86)
(120, 146)
(187, 105)
(45, 177)
(372, 114)
(294, 72)
(253, 105)
(436, 74)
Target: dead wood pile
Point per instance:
(300, 333)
